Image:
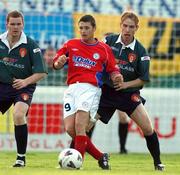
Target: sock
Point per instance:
(21, 136)
(153, 146)
(123, 131)
(80, 144)
(92, 150)
(21, 157)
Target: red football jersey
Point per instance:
(87, 62)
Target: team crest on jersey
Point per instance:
(25, 96)
(131, 57)
(96, 56)
(22, 52)
(135, 98)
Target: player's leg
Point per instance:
(92, 96)
(69, 124)
(69, 111)
(81, 121)
(140, 116)
(21, 132)
(90, 132)
(22, 101)
(104, 114)
(123, 131)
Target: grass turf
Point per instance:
(39, 163)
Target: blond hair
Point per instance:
(130, 15)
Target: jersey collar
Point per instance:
(131, 45)
(23, 39)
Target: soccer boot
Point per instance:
(159, 167)
(103, 162)
(20, 162)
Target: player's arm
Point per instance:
(92, 122)
(130, 84)
(61, 59)
(21, 83)
(38, 67)
(113, 69)
(143, 72)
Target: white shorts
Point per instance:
(81, 96)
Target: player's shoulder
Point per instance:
(112, 38)
(139, 45)
(103, 44)
(74, 40)
(30, 41)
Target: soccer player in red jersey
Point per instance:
(87, 59)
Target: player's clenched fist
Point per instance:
(60, 61)
(117, 80)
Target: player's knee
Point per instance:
(70, 130)
(19, 117)
(80, 128)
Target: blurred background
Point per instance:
(52, 22)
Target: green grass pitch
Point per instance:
(39, 163)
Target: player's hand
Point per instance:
(121, 86)
(92, 122)
(19, 83)
(90, 125)
(117, 81)
(60, 61)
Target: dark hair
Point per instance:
(88, 18)
(14, 14)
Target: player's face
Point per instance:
(86, 31)
(128, 29)
(15, 26)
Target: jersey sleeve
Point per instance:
(61, 51)
(38, 63)
(144, 65)
(111, 66)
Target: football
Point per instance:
(70, 159)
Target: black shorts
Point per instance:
(9, 95)
(112, 100)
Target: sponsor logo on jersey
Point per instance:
(131, 57)
(22, 52)
(96, 56)
(25, 96)
(10, 60)
(135, 98)
(145, 58)
(83, 62)
(122, 62)
(36, 50)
